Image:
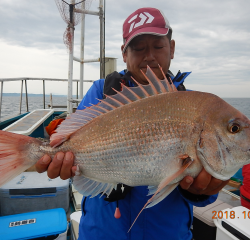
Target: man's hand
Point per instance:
(62, 165)
(204, 183)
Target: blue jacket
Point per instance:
(169, 219)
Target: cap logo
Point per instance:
(145, 18)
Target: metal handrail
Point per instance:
(25, 79)
(46, 79)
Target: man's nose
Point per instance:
(149, 54)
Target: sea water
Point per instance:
(11, 104)
(242, 104)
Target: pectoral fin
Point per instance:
(163, 189)
(162, 194)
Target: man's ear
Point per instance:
(172, 48)
(124, 55)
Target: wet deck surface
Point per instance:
(232, 200)
(29, 120)
(29, 123)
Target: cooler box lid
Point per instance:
(33, 224)
(29, 180)
(235, 220)
(206, 214)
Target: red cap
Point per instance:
(144, 21)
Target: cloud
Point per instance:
(237, 90)
(212, 40)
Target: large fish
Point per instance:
(141, 136)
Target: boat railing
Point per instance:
(24, 81)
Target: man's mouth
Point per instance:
(155, 67)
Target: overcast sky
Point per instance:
(212, 40)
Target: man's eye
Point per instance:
(139, 48)
(158, 47)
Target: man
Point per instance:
(147, 42)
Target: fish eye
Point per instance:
(234, 127)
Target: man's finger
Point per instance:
(55, 166)
(215, 186)
(201, 182)
(66, 169)
(43, 163)
(74, 168)
(186, 182)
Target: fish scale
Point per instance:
(134, 141)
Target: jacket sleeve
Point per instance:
(94, 93)
(197, 200)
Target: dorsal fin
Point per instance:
(171, 87)
(128, 95)
(158, 84)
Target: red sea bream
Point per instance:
(140, 136)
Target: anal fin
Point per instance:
(87, 187)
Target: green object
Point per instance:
(236, 180)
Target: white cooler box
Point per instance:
(48, 224)
(75, 221)
(203, 224)
(233, 224)
(32, 191)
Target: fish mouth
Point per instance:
(222, 173)
(228, 166)
(211, 170)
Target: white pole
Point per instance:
(102, 60)
(82, 51)
(87, 12)
(1, 97)
(71, 51)
(21, 98)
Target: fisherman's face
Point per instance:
(148, 50)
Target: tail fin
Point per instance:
(14, 154)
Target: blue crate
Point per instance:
(33, 224)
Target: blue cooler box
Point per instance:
(32, 191)
(47, 223)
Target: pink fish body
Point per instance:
(139, 137)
